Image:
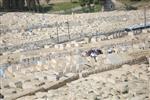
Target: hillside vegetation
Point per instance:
(68, 6)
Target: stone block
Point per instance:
(138, 89)
(87, 40)
(110, 37)
(115, 97)
(76, 45)
(103, 37)
(46, 46)
(144, 31)
(12, 84)
(115, 35)
(7, 91)
(103, 79)
(136, 46)
(93, 40)
(18, 84)
(61, 46)
(41, 94)
(10, 69)
(111, 80)
(144, 77)
(69, 74)
(131, 34)
(149, 69)
(139, 97)
(56, 46)
(53, 61)
(8, 74)
(51, 77)
(45, 67)
(27, 98)
(68, 45)
(122, 87)
(28, 85)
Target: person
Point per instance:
(98, 51)
(93, 55)
(1, 72)
(111, 50)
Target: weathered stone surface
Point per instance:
(34, 73)
(18, 84)
(41, 94)
(122, 87)
(28, 85)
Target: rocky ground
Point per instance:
(31, 70)
(31, 27)
(127, 83)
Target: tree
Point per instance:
(33, 5)
(5, 4)
(88, 4)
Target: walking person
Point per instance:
(94, 55)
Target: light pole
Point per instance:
(144, 16)
(68, 30)
(57, 32)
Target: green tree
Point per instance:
(89, 5)
(33, 5)
(86, 5)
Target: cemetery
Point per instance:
(44, 56)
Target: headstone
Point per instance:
(7, 91)
(61, 46)
(46, 46)
(103, 37)
(115, 35)
(136, 46)
(10, 69)
(56, 46)
(68, 45)
(12, 84)
(28, 85)
(18, 84)
(53, 63)
(110, 37)
(76, 44)
(45, 67)
(87, 40)
(93, 40)
(38, 68)
(144, 31)
(68, 58)
(39, 63)
(122, 87)
(131, 34)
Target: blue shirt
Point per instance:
(1, 72)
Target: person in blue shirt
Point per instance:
(1, 72)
